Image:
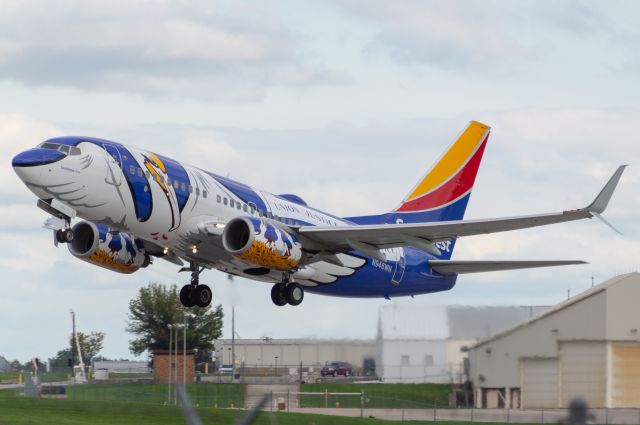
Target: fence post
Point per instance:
(508, 415)
(271, 401)
(606, 416)
(542, 419)
(472, 413)
(434, 411)
(326, 398)
(362, 403)
(288, 399)
(402, 414)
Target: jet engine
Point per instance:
(262, 242)
(113, 250)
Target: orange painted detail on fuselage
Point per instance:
(104, 259)
(260, 254)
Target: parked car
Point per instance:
(337, 369)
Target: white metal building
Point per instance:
(418, 344)
(268, 352)
(587, 346)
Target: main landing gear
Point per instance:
(287, 292)
(195, 294)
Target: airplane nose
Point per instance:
(37, 156)
(27, 164)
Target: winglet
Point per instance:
(602, 200)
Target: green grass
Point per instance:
(130, 375)
(410, 396)
(212, 395)
(29, 411)
(8, 376)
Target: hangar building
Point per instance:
(425, 344)
(587, 346)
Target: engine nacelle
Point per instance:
(262, 243)
(99, 245)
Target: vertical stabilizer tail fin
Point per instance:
(450, 180)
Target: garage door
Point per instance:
(583, 372)
(626, 375)
(539, 383)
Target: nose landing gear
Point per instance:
(64, 235)
(195, 294)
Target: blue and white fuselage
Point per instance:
(138, 204)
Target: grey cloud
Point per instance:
(493, 38)
(157, 50)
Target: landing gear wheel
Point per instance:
(294, 294)
(186, 296)
(278, 295)
(64, 235)
(202, 295)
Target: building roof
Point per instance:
(445, 322)
(563, 305)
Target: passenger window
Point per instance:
(238, 206)
(146, 188)
(204, 193)
(224, 201)
(176, 184)
(147, 174)
(139, 172)
(132, 169)
(190, 189)
(232, 203)
(218, 198)
(244, 208)
(197, 191)
(184, 187)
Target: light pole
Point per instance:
(276, 365)
(169, 364)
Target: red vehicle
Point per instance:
(337, 369)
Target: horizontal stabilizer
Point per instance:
(462, 267)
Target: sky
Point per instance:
(345, 103)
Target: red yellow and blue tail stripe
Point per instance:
(453, 175)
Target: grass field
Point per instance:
(211, 395)
(378, 395)
(27, 411)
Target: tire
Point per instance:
(278, 296)
(186, 296)
(294, 294)
(64, 235)
(202, 296)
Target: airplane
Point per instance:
(137, 205)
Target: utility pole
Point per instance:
(83, 377)
(233, 343)
(184, 353)
(170, 365)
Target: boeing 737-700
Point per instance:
(137, 205)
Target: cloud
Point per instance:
(153, 49)
(18, 133)
(466, 37)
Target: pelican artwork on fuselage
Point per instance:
(119, 207)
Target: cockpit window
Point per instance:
(65, 149)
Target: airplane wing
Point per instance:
(460, 267)
(368, 239)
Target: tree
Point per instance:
(156, 307)
(90, 344)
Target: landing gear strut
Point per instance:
(287, 292)
(195, 294)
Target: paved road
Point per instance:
(553, 416)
